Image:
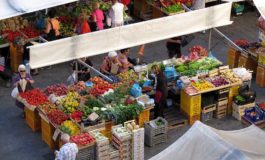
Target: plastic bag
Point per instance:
(72, 78)
(14, 92)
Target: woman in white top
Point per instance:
(116, 14)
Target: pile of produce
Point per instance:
(57, 90)
(12, 24)
(188, 3)
(201, 85)
(34, 97)
(128, 77)
(47, 107)
(230, 76)
(201, 51)
(57, 117)
(190, 90)
(11, 35)
(30, 32)
(100, 86)
(77, 115)
(173, 9)
(80, 86)
(92, 105)
(82, 139)
(105, 6)
(66, 29)
(242, 43)
(70, 128)
(217, 81)
(132, 126)
(70, 102)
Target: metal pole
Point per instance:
(210, 40)
(95, 70)
(76, 71)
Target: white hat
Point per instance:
(112, 54)
(21, 67)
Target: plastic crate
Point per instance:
(153, 131)
(154, 140)
(259, 114)
(87, 153)
(206, 116)
(33, 119)
(143, 117)
(191, 105)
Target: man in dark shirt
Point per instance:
(174, 47)
(161, 91)
(83, 72)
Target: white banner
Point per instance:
(260, 4)
(95, 43)
(12, 8)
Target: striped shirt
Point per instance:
(67, 152)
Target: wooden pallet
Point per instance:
(220, 113)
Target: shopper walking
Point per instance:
(161, 91)
(52, 26)
(174, 47)
(68, 151)
(98, 16)
(116, 14)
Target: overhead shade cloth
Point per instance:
(202, 142)
(260, 4)
(95, 43)
(12, 8)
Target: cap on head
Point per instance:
(21, 67)
(112, 54)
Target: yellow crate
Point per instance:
(47, 131)
(191, 119)
(144, 116)
(191, 105)
(33, 119)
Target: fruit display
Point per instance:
(201, 51)
(34, 97)
(30, 32)
(175, 8)
(70, 128)
(262, 106)
(66, 30)
(129, 76)
(201, 85)
(77, 115)
(82, 139)
(217, 81)
(70, 102)
(188, 3)
(242, 43)
(132, 126)
(47, 107)
(190, 90)
(57, 90)
(230, 76)
(12, 24)
(100, 86)
(57, 117)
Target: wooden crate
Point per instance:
(233, 56)
(157, 13)
(33, 119)
(174, 118)
(209, 108)
(16, 57)
(241, 108)
(220, 112)
(247, 62)
(237, 115)
(260, 76)
(191, 105)
(247, 122)
(47, 131)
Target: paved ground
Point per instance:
(17, 141)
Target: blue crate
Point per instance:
(259, 114)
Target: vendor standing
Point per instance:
(261, 25)
(83, 73)
(116, 14)
(110, 64)
(123, 58)
(161, 91)
(52, 26)
(98, 16)
(174, 47)
(23, 81)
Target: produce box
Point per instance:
(260, 76)
(33, 119)
(254, 114)
(209, 108)
(206, 116)
(143, 117)
(233, 56)
(87, 152)
(222, 94)
(241, 108)
(202, 85)
(191, 105)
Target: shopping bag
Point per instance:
(72, 78)
(108, 20)
(14, 92)
(114, 68)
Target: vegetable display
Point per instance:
(47, 107)
(100, 86)
(217, 81)
(70, 102)
(57, 89)
(82, 139)
(34, 97)
(57, 117)
(70, 128)
(201, 85)
(127, 77)
(230, 76)
(173, 8)
(77, 115)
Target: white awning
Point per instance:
(95, 43)
(12, 8)
(260, 4)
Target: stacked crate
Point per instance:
(239, 110)
(102, 145)
(208, 106)
(233, 56)
(121, 140)
(190, 106)
(221, 109)
(233, 91)
(114, 153)
(155, 134)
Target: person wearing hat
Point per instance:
(110, 64)
(23, 81)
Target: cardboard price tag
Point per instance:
(56, 134)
